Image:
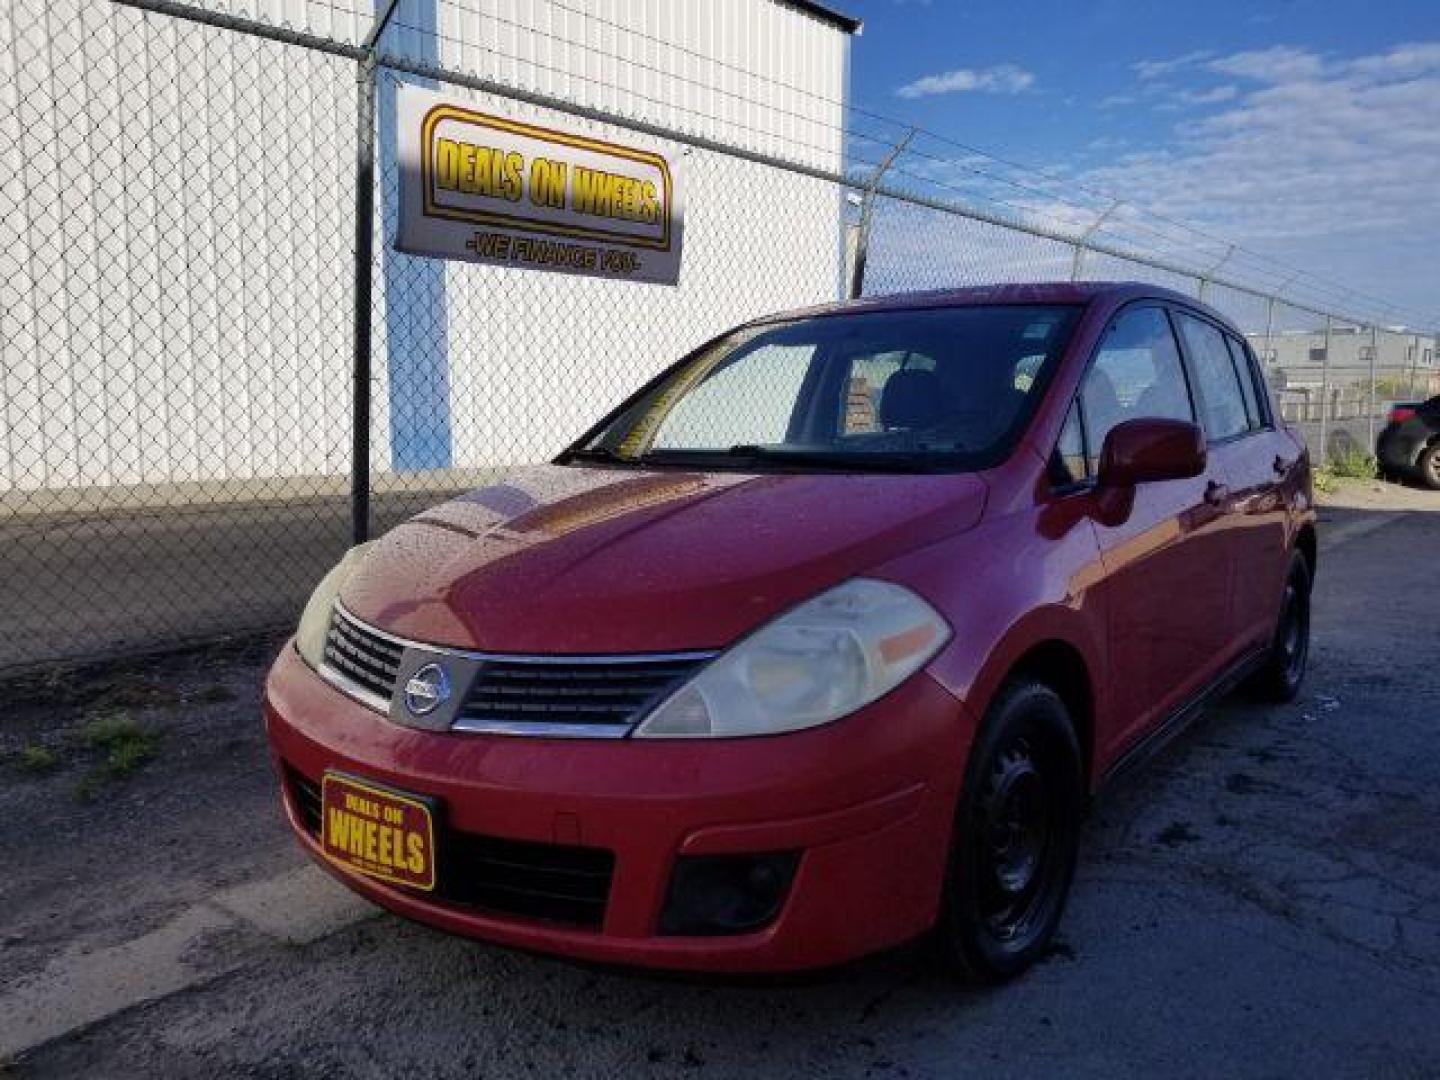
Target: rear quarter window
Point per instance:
(1251, 388)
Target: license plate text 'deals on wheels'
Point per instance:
(378, 832)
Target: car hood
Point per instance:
(558, 559)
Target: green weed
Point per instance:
(37, 758)
(126, 746)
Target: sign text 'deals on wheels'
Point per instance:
(494, 189)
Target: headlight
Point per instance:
(315, 619)
(818, 662)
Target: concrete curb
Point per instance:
(78, 989)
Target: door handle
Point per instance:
(1281, 466)
(1216, 493)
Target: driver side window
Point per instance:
(1136, 373)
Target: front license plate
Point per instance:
(386, 834)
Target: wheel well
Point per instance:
(1305, 543)
(1060, 666)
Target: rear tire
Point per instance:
(1016, 834)
(1427, 469)
(1279, 679)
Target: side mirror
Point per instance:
(1144, 451)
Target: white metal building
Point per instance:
(176, 227)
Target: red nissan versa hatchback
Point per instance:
(817, 643)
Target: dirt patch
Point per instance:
(1378, 495)
(128, 793)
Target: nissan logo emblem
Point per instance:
(427, 690)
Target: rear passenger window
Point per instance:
(1222, 405)
(1245, 371)
(1137, 373)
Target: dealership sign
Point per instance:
(496, 189)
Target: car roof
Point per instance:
(1039, 292)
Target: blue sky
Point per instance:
(1305, 130)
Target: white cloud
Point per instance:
(1162, 96)
(1213, 96)
(1278, 64)
(1106, 142)
(1154, 69)
(1310, 156)
(1402, 61)
(1000, 79)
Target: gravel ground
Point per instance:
(1263, 901)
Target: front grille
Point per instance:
(551, 882)
(590, 692)
(554, 882)
(600, 696)
(361, 655)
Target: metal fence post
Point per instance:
(1325, 396)
(1374, 354)
(364, 259)
(867, 213)
(1082, 244)
(1206, 277)
(1269, 329)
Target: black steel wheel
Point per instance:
(1016, 835)
(1284, 668)
(1428, 467)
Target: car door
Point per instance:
(1167, 581)
(1255, 458)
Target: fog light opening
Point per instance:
(712, 895)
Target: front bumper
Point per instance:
(868, 803)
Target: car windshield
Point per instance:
(930, 389)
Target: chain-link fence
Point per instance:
(178, 285)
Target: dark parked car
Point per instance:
(1410, 443)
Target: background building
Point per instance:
(1306, 365)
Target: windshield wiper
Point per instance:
(898, 461)
(598, 453)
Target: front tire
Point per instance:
(1016, 836)
(1279, 679)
